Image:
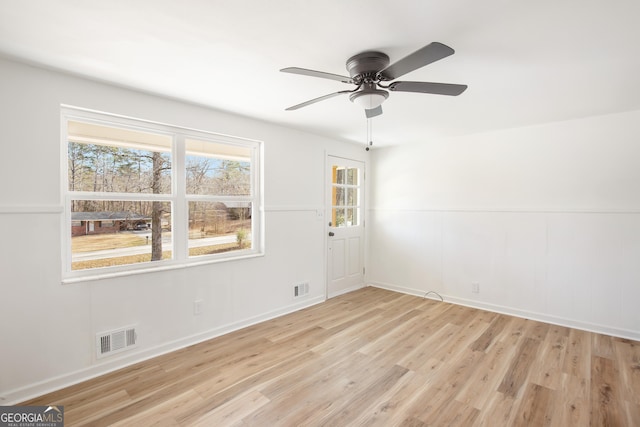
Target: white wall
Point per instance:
(47, 330)
(545, 219)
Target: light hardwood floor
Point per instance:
(375, 358)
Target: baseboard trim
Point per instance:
(31, 391)
(541, 317)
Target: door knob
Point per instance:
(331, 234)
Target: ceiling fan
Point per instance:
(368, 71)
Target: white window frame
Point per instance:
(178, 197)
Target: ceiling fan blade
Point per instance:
(425, 87)
(373, 112)
(321, 98)
(321, 74)
(430, 53)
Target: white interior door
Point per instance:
(345, 195)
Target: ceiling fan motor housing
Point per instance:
(363, 69)
(366, 65)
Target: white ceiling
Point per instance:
(526, 62)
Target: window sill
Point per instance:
(93, 276)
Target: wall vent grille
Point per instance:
(111, 342)
(300, 289)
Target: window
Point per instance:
(345, 200)
(141, 195)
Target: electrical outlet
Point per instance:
(475, 287)
(197, 306)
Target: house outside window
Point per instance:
(141, 195)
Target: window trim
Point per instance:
(178, 197)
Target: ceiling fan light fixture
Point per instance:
(369, 99)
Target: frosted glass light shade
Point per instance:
(369, 99)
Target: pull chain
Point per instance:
(369, 133)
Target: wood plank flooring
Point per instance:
(374, 358)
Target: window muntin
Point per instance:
(141, 195)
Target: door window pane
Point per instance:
(352, 217)
(338, 217)
(352, 197)
(338, 196)
(352, 176)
